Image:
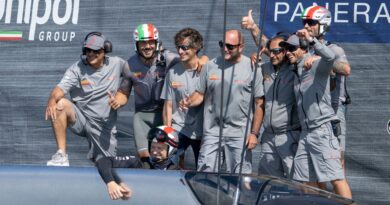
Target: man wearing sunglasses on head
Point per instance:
(318, 154)
(238, 84)
(281, 124)
(90, 82)
(180, 82)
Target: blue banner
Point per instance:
(358, 21)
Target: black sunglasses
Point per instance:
(276, 51)
(291, 48)
(183, 47)
(228, 46)
(309, 22)
(87, 50)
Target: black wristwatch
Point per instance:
(312, 42)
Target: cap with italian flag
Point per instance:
(11, 35)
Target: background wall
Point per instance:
(53, 31)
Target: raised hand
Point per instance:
(303, 33)
(247, 22)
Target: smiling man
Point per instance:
(318, 153)
(281, 124)
(149, 66)
(180, 82)
(90, 83)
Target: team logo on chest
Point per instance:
(138, 74)
(176, 84)
(85, 82)
(214, 77)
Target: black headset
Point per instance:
(303, 44)
(107, 44)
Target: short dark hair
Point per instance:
(195, 38)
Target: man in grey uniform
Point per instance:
(180, 82)
(90, 83)
(281, 124)
(149, 66)
(318, 154)
(239, 73)
(316, 20)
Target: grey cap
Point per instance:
(293, 40)
(94, 42)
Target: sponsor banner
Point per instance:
(32, 16)
(353, 21)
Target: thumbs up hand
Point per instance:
(247, 22)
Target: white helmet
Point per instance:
(166, 135)
(320, 14)
(145, 32)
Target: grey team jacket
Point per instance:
(312, 89)
(281, 113)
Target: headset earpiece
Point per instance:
(268, 44)
(303, 44)
(83, 59)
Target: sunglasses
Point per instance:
(183, 47)
(228, 46)
(88, 50)
(276, 51)
(291, 48)
(309, 22)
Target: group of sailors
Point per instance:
(298, 97)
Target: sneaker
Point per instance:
(59, 159)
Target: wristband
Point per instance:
(255, 133)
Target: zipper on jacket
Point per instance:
(273, 100)
(318, 103)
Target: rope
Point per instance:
(221, 110)
(261, 23)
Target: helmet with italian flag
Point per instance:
(146, 32)
(320, 14)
